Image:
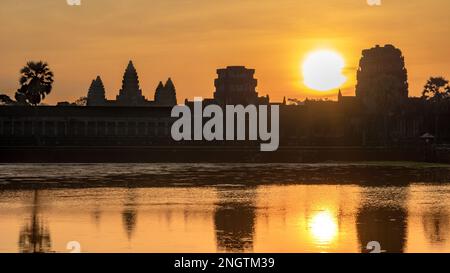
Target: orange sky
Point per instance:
(189, 39)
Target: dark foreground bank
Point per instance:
(217, 154)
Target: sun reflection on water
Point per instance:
(323, 227)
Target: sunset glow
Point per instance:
(322, 70)
(189, 40)
(323, 227)
(224, 136)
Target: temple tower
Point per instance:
(382, 78)
(130, 94)
(236, 85)
(166, 94)
(96, 94)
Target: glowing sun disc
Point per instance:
(322, 70)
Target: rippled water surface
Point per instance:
(225, 208)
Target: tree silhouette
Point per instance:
(36, 82)
(295, 101)
(437, 89)
(5, 99)
(82, 101)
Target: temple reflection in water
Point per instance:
(402, 215)
(129, 213)
(385, 223)
(234, 219)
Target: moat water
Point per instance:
(225, 207)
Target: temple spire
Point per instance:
(96, 94)
(131, 65)
(169, 85)
(166, 94)
(130, 94)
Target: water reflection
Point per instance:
(234, 219)
(129, 213)
(96, 215)
(327, 225)
(436, 225)
(34, 234)
(383, 217)
(435, 215)
(329, 216)
(323, 227)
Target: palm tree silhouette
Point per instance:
(36, 82)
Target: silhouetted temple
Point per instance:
(166, 94)
(131, 94)
(236, 85)
(381, 118)
(382, 78)
(96, 94)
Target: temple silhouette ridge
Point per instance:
(380, 122)
(131, 94)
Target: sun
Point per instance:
(322, 70)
